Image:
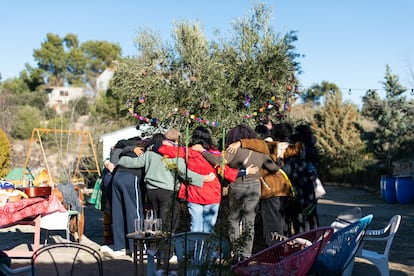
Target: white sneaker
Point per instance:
(117, 253)
(105, 248)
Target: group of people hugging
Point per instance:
(259, 188)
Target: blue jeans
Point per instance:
(203, 217)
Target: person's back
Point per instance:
(244, 193)
(244, 158)
(210, 192)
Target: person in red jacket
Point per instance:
(202, 202)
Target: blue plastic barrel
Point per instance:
(382, 186)
(404, 188)
(390, 194)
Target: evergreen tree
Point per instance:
(316, 92)
(393, 137)
(336, 126)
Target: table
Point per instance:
(28, 212)
(139, 242)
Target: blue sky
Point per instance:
(347, 42)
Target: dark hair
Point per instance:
(202, 136)
(262, 131)
(306, 134)
(282, 132)
(127, 142)
(240, 132)
(156, 139)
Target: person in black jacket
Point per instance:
(126, 196)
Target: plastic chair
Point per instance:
(67, 259)
(346, 217)
(380, 259)
(5, 269)
(62, 220)
(58, 221)
(293, 256)
(198, 253)
(338, 255)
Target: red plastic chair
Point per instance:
(293, 256)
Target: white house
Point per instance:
(60, 96)
(102, 82)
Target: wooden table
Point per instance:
(28, 212)
(139, 242)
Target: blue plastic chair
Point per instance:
(198, 253)
(338, 255)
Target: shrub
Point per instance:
(5, 152)
(27, 118)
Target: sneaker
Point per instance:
(105, 248)
(117, 253)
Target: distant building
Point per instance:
(102, 82)
(59, 97)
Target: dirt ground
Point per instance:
(337, 199)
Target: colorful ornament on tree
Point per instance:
(247, 101)
(141, 99)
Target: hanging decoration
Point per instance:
(141, 99)
(246, 101)
(286, 105)
(155, 121)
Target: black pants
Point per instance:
(165, 203)
(126, 207)
(274, 211)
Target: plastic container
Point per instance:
(404, 188)
(382, 187)
(390, 195)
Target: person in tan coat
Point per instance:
(276, 190)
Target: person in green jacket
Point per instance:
(162, 179)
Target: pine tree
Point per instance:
(393, 138)
(336, 126)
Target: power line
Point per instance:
(349, 91)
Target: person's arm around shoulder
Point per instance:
(133, 162)
(269, 164)
(256, 145)
(196, 179)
